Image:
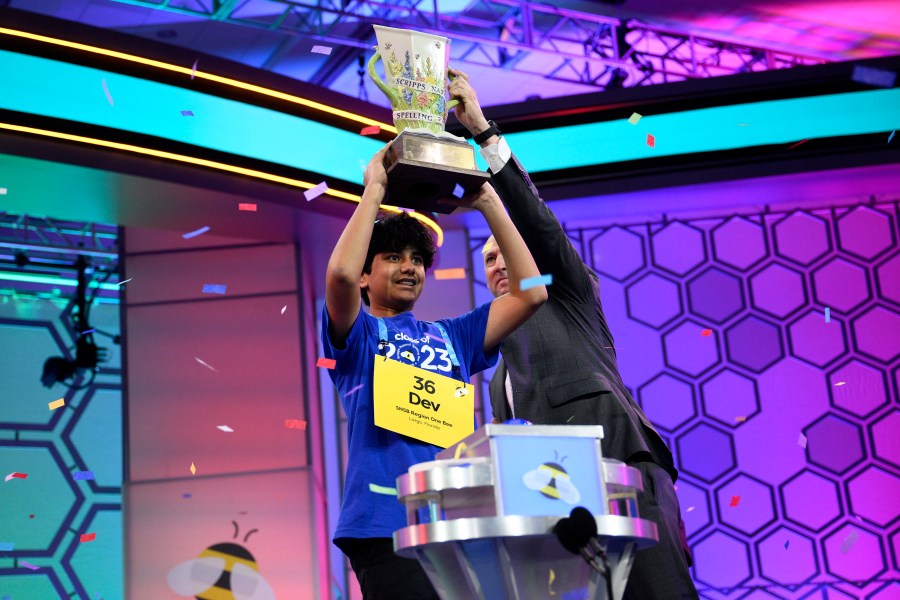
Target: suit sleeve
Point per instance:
(551, 248)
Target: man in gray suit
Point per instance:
(560, 366)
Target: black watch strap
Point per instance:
(487, 133)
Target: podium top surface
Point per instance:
(499, 430)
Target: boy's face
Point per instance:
(396, 280)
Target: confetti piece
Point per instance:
(706, 332)
(247, 207)
(294, 424)
(3, 190)
(195, 233)
(326, 363)
(735, 500)
(214, 288)
(786, 544)
(28, 565)
(550, 582)
(801, 441)
(83, 475)
(874, 77)
(740, 419)
(15, 475)
(316, 191)
(194, 68)
(187, 495)
(126, 281)
(206, 364)
(651, 141)
(840, 383)
(187, 113)
(225, 428)
(380, 489)
(828, 315)
(7, 546)
(88, 537)
(798, 143)
(321, 50)
(458, 191)
(193, 469)
(848, 542)
(109, 97)
(436, 338)
(359, 387)
(370, 130)
(57, 404)
(890, 137)
(456, 273)
(690, 508)
(531, 282)
(634, 118)
(283, 308)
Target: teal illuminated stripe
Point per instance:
(61, 90)
(709, 130)
(51, 280)
(55, 89)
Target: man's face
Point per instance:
(495, 269)
(396, 280)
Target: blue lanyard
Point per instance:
(383, 342)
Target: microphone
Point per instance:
(578, 534)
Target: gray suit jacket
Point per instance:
(561, 362)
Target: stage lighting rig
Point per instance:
(58, 369)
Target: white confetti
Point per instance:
(225, 428)
(283, 308)
(321, 50)
(206, 364)
(316, 191)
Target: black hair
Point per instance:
(396, 233)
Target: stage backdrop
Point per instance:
(766, 349)
(43, 516)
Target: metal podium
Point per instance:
(480, 518)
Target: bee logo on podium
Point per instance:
(552, 481)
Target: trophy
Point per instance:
(428, 168)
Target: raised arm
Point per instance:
(509, 310)
(552, 249)
(342, 299)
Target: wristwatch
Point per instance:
(487, 133)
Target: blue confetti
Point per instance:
(890, 137)
(531, 282)
(827, 315)
(874, 77)
(187, 113)
(458, 191)
(786, 544)
(82, 475)
(187, 495)
(7, 546)
(193, 234)
(214, 288)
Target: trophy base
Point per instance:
(430, 174)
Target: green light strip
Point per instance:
(51, 280)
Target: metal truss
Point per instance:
(43, 244)
(514, 35)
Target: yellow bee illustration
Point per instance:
(552, 481)
(225, 571)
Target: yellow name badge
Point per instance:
(422, 404)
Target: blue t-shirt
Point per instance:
(375, 455)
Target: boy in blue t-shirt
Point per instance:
(383, 263)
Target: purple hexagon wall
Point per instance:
(766, 348)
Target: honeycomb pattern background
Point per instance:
(44, 515)
(766, 349)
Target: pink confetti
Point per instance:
(706, 332)
(28, 565)
(88, 537)
(370, 130)
(294, 424)
(651, 141)
(316, 191)
(15, 475)
(735, 500)
(109, 97)
(247, 207)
